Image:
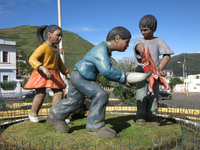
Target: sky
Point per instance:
(178, 20)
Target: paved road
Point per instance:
(180, 100)
(191, 101)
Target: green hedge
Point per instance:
(12, 84)
(8, 85)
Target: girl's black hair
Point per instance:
(46, 28)
(148, 21)
(121, 31)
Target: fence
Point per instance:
(17, 112)
(14, 92)
(179, 143)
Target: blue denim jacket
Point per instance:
(96, 61)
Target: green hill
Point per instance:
(192, 64)
(74, 46)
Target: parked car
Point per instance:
(28, 95)
(162, 105)
(164, 95)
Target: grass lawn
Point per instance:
(40, 135)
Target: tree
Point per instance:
(175, 81)
(122, 91)
(103, 81)
(22, 66)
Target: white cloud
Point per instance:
(86, 29)
(82, 28)
(7, 6)
(131, 45)
(5, 12)
(46, 1)
(95, 43)
(137, 36)
(10, 3)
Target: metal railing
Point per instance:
(179, 142)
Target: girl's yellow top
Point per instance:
(49, 58)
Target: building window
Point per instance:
(197, 77)
(5, 56)
(5, 78)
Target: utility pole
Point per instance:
(184, 75)
(186, 79)
(60, 44)
(60, 25)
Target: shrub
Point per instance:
(8, 85)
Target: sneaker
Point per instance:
(67, 121)
(60, 125)
(106, 132)
(140, 122)
(33, 119)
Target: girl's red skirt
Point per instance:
(39, 80)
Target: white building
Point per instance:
(7, 60)
(193, 83)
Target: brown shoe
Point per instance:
(140, 122)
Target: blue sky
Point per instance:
(178, 20)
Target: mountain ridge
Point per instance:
(192, 64)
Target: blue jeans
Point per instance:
(146, 107)
(79, 88)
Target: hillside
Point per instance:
(74, 46)
(192, 64)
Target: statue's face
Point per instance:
(123, 44)
(147, 33)
(55, 37)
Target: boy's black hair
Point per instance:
(46, 28)
(148, 21)
(121, 31)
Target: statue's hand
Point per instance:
(45, 71)
(163, 73)
(126, 83)
(68, 76)
(140, 48)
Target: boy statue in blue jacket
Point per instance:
(83, 84)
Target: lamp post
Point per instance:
(184, 75)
